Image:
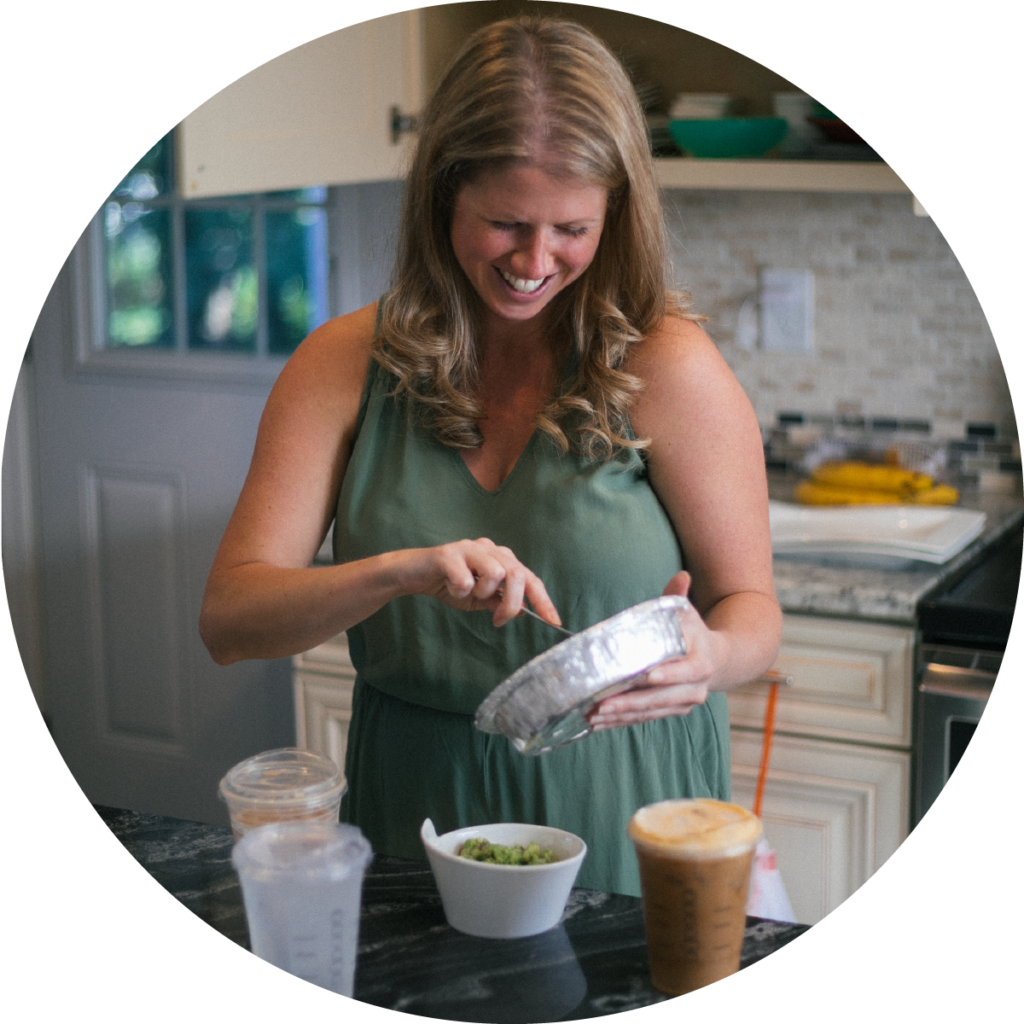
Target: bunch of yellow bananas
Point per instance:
(863, 483)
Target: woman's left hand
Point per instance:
(674, 687)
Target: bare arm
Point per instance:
(707, 467)
(262, 599)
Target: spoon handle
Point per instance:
(533, 614)
(561, 629)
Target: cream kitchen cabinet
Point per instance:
(322, 680)
(319, 114)
(323, 113)
(837, 795)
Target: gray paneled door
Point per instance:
(140, 463)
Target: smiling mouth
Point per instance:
(521, 284)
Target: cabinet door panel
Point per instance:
(323, 682)
(323, 712)
(317, 115)
(833, 813)
(851, 681)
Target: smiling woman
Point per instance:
(529, 416)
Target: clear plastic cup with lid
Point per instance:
(282, 785)
(302, 888)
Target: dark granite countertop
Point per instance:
(593, 963)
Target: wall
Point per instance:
(898, 330)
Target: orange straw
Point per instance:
(766, 748)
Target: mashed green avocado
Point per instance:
(495, 853)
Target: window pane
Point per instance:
(138, 265)
(296, 275)
(221, 282)
(151, 176)
(314, 194)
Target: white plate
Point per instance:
(923, 533)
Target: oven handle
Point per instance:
(952, 681)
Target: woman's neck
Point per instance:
(499, 335)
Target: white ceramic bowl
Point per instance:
(502, 901)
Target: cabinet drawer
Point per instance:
(851, 681)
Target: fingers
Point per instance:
(647, 703)
(520, 585)
(678, 586)
(538, 597)
(676, 686)
(481, 574)
(513, 590)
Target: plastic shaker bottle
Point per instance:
(302, 887)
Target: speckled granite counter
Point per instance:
(593, 963)
(885, 595)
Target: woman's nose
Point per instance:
(532, 258)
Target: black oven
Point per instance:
(963, 633)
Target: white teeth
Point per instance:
(521, 284)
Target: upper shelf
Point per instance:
(778, 175)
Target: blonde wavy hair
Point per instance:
(516, 87)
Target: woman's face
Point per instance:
(521, 235)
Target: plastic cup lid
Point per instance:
(302, 849)
(695, 828)
(284, 776)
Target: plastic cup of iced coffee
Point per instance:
(288, 784)
(695, 858)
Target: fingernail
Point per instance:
(656, 675)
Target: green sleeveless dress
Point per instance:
(598, 537)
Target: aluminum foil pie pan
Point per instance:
(544, 704)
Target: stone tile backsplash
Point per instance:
(898, 330)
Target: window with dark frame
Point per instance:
(238, 274)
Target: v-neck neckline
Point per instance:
(511, 473)
(568, 368)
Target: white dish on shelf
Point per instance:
(915, 532)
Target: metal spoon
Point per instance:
(561, 629)
(529, 611)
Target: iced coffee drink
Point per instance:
(695, 858)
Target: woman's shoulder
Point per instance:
(684, 376)
(335, 357)
(321, 385)
(677, 350)
(338, 344)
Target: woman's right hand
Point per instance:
(475, 575)
(263, 598)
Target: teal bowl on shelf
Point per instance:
(728, 136)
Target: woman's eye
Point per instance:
(574, 232)
(503, 225)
